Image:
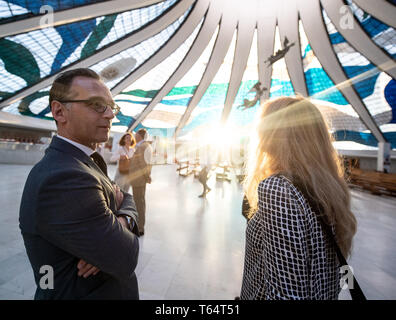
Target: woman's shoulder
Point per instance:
(280, 184)
(275, 181)
(278, 190)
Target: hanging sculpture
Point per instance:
(259, 92)
(280, 53)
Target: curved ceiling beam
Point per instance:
(212, 19)
(245, 33)
(224, 37)
(170, 46)
(108, 51)
(288, 27)
(72, 15)
(358, 38)
(310, 12)
(380, 9)
(266, 24)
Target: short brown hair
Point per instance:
(142, 132)
(62, 83)
(122, 140)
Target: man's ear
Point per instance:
(58, 111)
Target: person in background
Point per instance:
(140, 175)
(203, 179)
(289, 253)
(205, 160)
(124, 152)
(73, 220)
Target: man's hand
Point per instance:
(85, 269)
(119, 196)
(149, 180)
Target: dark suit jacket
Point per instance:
(68, 212)
(140, 170)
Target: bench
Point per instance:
(186, 167)
(374, 181)
(222, 172)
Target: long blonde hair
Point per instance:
(293, 137)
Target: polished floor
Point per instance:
(193, 247)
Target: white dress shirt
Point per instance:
(87, 150)
(122, 151)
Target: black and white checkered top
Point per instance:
(287, 254)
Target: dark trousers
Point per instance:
(139, 194)
(205, 186)
(203, 178)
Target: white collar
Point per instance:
(87, 150)
(139, 143)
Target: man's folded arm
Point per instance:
(128, 208)
(75, 217)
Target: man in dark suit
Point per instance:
(140, 175)
(73, 220)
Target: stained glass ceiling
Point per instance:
(18, 9)
(177, 67)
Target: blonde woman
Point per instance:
(288, 254)
(125, 151)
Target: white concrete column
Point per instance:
(383, 159)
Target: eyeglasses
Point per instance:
(98, 105)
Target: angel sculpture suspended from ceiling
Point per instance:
(259, 92)
(280, 53)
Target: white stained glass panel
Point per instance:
(8, 9)
(175, 103)
(127, 22)
(384, 36)
(208, 111)
(368, 80)
(43, 45)
(154, 79)
(325, 95)
(131, 58)
(242, 116)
